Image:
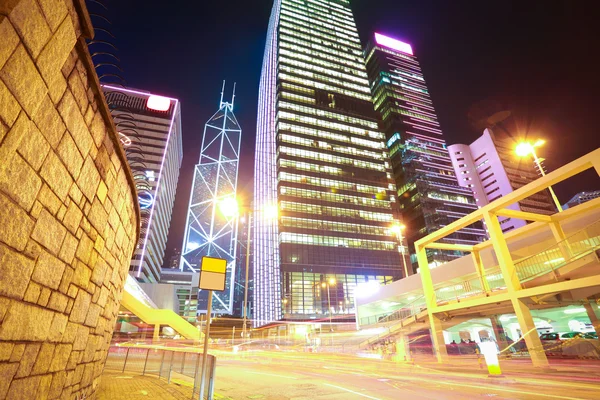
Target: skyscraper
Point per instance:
(149, 127)
(211, 227)
(428, 192)
(321, 163)
(490, 168)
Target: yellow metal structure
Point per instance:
(157, 317)
(512, 289)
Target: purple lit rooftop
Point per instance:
(393, 44)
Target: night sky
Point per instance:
(532, 58)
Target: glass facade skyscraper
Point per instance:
(429, 196)
(211, 225)
(321, 162)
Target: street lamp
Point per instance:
(328, 284)
(398, 229)
(523, 149)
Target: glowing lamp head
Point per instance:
(158, 103)
(393, 44)
(332, 281)
(228, 207)
(366, 289)
(523, 149)
(271, 211)
(398, 228)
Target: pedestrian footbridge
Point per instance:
(551, 262)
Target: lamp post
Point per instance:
(328, 284)
(230, 207)
(398, 229)
(523, 149)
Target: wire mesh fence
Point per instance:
(181, 365)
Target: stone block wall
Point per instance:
(69, 218)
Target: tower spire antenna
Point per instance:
(222, 90)
(233, 96)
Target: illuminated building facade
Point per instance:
(211, 227)
(321, 162)
(581, 198)
(429, 196)
(149, 127)
(490, 168)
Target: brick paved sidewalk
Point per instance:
(117, 386)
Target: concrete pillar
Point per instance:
(402, 349)
(480, 271)
(499, 332)
(505, 260)
(559, 236)
(532, 339)
(437, 339)
(156, 336)
(593, 316)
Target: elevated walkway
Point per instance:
(551, 262)
(134, 300)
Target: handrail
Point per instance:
(572, 248)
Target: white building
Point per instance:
(149, 127)
(490, 168)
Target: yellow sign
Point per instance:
(212, 273)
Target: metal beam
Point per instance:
(526, 216)
(449, 246)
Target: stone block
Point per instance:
(34, 148)
(44, 387)
(98, 216)
(15, 272)
(25, 322)
(102, 193)
(58, 327)
(70, 333)
(28, 359)
(78, 374)
(62, 211)
(80, 308)
(16, 224)
(82, 275)
(60, 357)
(92, 317)
(49, 200)
(99, 272)
(73, 290)
(103, 297)
(84, 250)
(72, 217)
(79, 91)
(88, 374)
(81, 338)
(89, 180)
(6, 350)
(54, 11)
(10, 40)
(48, 270)
(9, 106)
(19, 181)
(74, 359)
(44, 358)
(72, 117)
(17, 353)
(98, 129)
(49, 122)
(56, 176)
(7, 372)
(58, 302)
(70, 156)
(49, 232)
(4, 305)
(32, 294)
(21, 389)
(67, 251)
(21, 76)
(75, 194)
(28, 20)
(44, 297)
